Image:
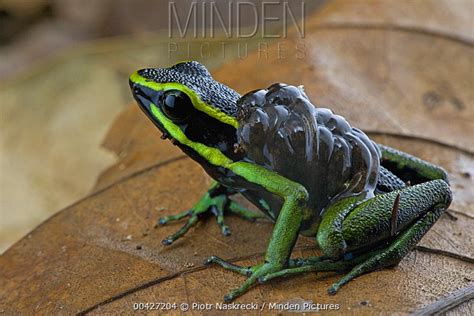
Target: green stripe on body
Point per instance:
(271, 181)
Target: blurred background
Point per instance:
(64, 67)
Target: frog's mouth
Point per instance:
(145, 97)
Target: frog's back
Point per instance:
(281, 130)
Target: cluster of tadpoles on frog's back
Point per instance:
(165, 135)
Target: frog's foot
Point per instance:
(254, 273)
(248, 271)
(214, 205)
(265, 272)
(313, 264)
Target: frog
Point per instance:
(305, 168)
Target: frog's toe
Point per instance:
(333, 289)
(165, 220)
(219, 214)
(258, 272)
(246, 285)
(247, 271)
(287, 272)
(172, 238)
(243, 212)
(239, 291)
(229, 297)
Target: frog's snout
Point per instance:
(145, 96)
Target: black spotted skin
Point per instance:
(197, 78)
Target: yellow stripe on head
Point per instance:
(198, 104)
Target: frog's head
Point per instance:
(188, 105)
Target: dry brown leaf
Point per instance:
(87, 254)
(443, 17)
(381, 80)
(102, 254)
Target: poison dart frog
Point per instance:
(303, 166)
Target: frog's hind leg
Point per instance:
(391, 223)
(243, 212)
(395, 222)
(410, 168)
(215, 201)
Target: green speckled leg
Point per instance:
(410, 168)
(347, 229)
(396, 251)
(286, 227)
(382, 220)
(215, 201)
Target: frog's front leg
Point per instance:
(286, 228)
(374, 234)
(215, 201)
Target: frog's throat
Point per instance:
(198, 104)
(211, 154)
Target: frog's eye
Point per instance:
(176, 105)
